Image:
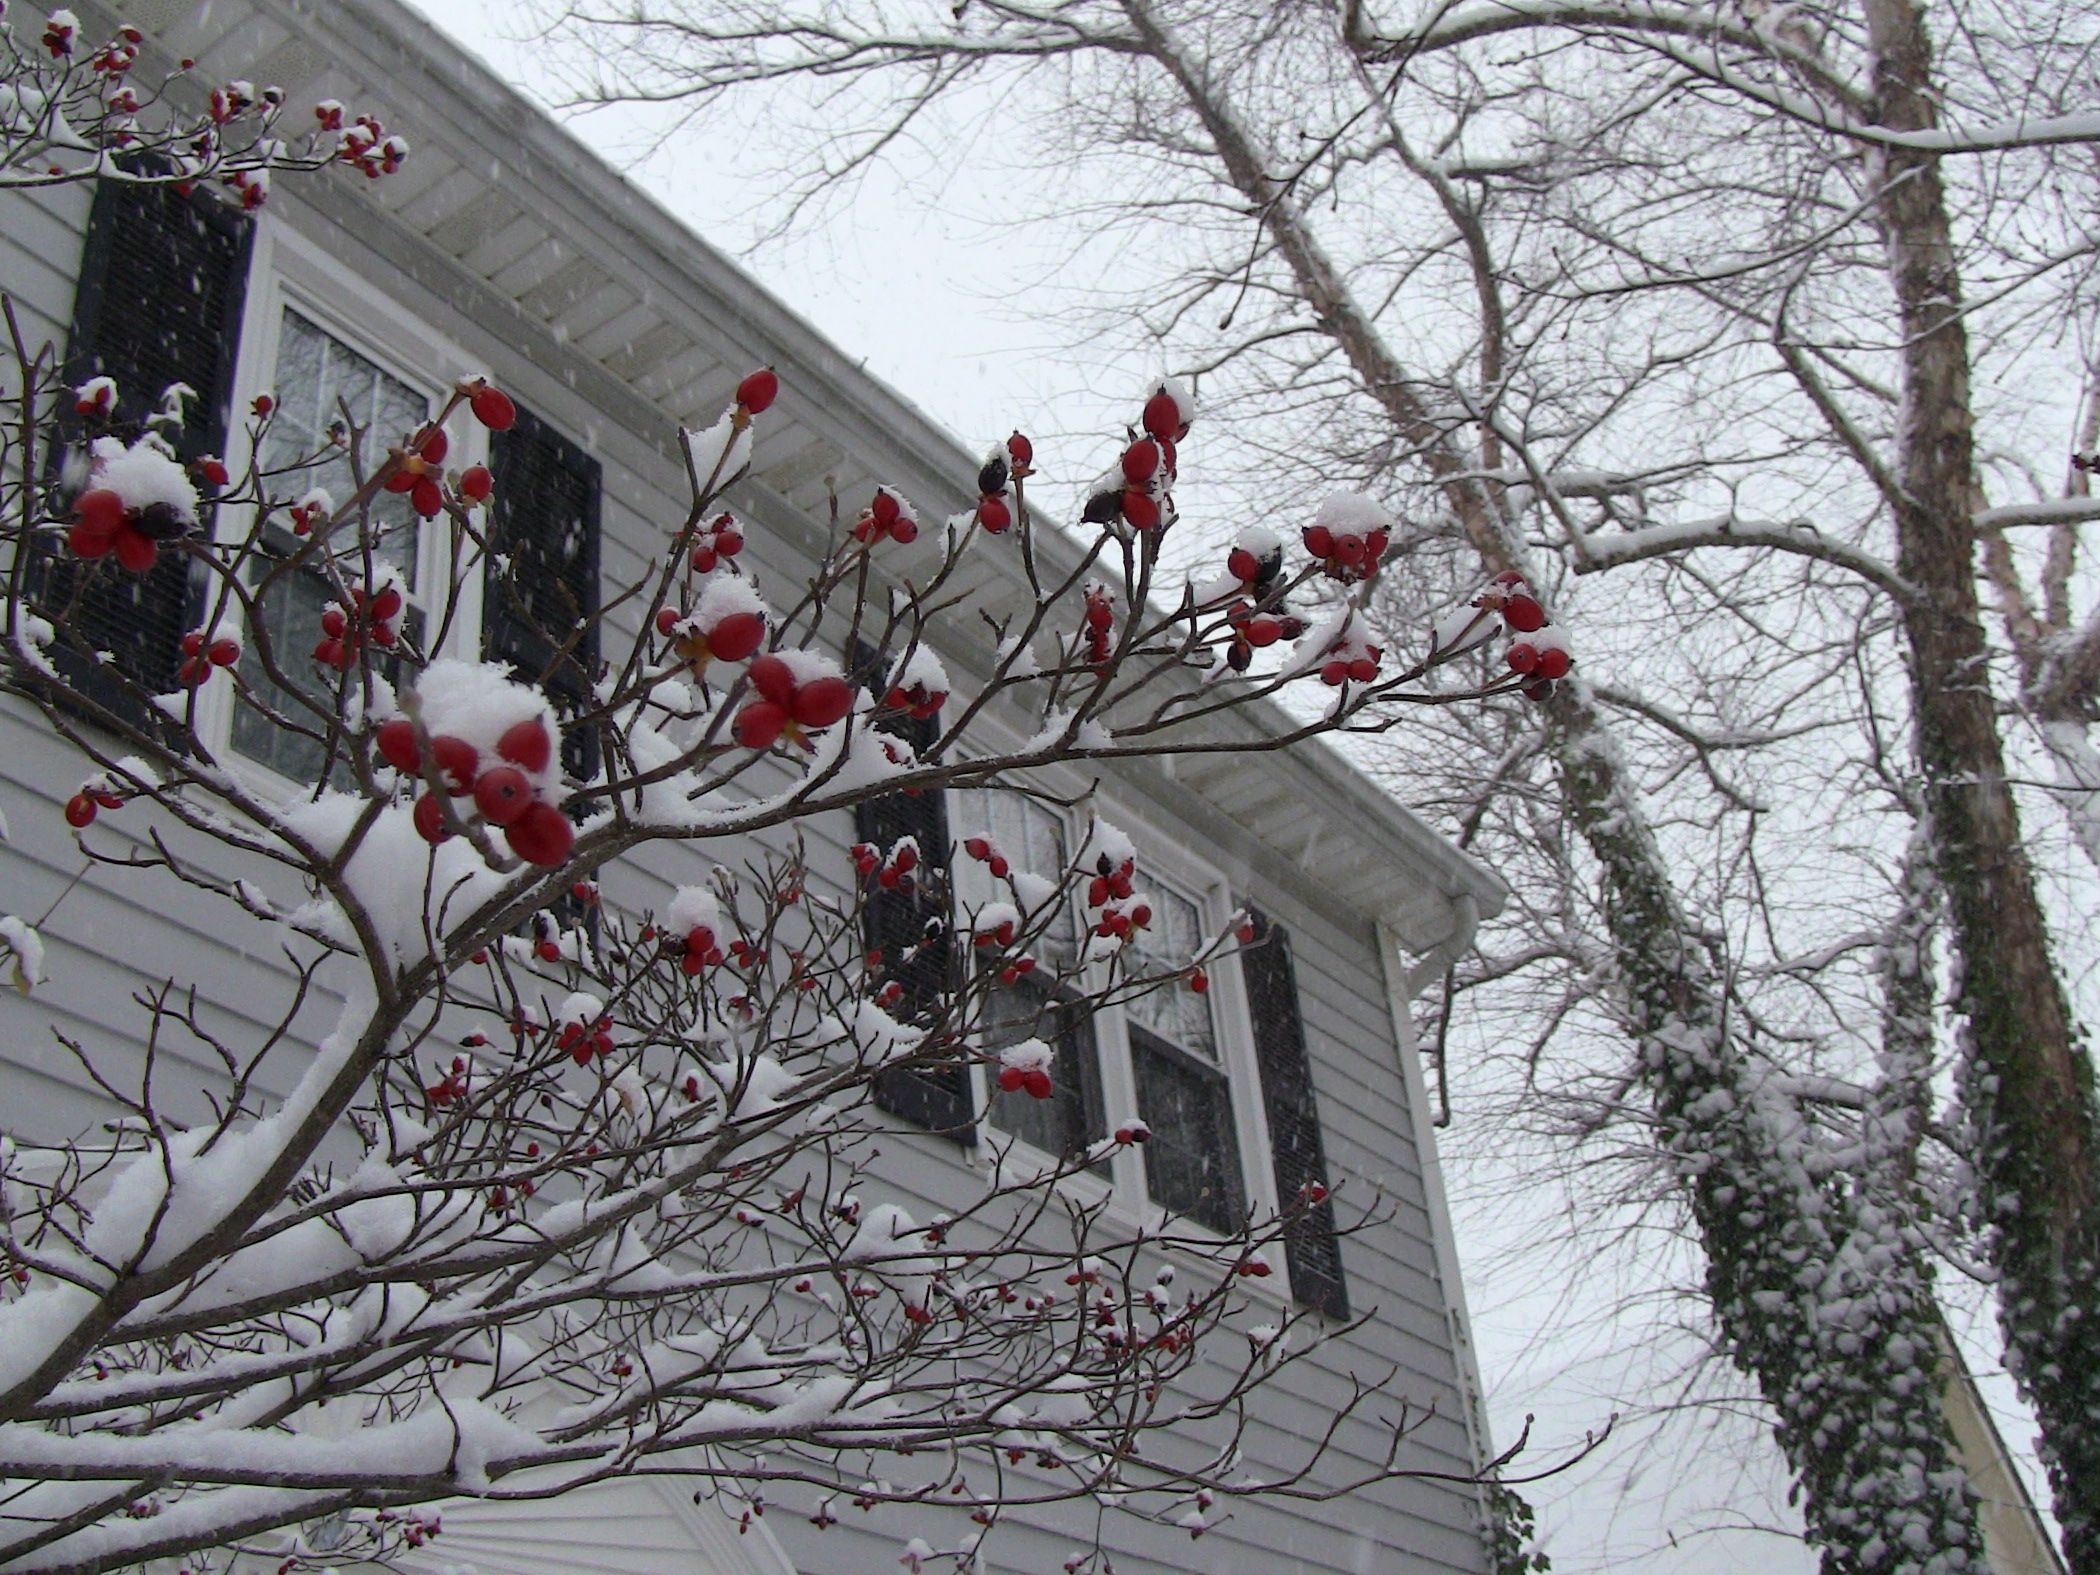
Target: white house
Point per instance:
(506, 246)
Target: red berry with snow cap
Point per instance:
(1162, 417)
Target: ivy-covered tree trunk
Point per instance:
(1819, 1292)
(2028, 1082)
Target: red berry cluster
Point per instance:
(987, 853)
(103, 524)
(1001, 468)
(420, 469)
(996, 930)
(364, 143)
(697, 949)
(59, 34)
(894, 873)
(584, 1040)
(1347, 555)
(1538, 650)
(721, 541)
(503, 792)
(1133, 1131)
(93, 796)
(1100, 620)
(886, 518)
(1140, 491)
(1034, 1080)
(1255, 627)
(731, 638)
(1352, 659)
(311, 510)
(451, 1087)
(96, 399)
(373, 616)
(787, 706)
(200, 657)
(918, 700)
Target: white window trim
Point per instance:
(288, 269)
(1126, 1199)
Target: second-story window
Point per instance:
(321, 383)
(1179, 1072)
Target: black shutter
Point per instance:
(159, 302)
(542, 581)
(1310, 1248)
(914, 931)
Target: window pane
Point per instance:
(1192, 1162)
(1072, 1117)
(318, 380)
(1174, 1012)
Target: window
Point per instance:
(1173, 1060)
(1031, 836)
(1192, 1163)
(319, 381)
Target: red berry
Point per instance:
(758, 391)
(1141, 510)
(457, 762)
(433, 445)
(905, 531)
(223, 653)
(822, 701)
(193, 643)
(994, 515)
(774, 680)
(1319, 541)
(1199, 981)
(1020, 450)
(1011, 1078)
(80, 810)
(1141, 462)
(493, 408)
(1553, 663)
(527, 745)
(1162, 417)
(1524, 614)
(1242, 564)
(135, 551)
(760, 724)
(1037, 1083)
(1334, 673)
(477, 483)
(542, 835)
(396, 742)
(426, 497)
(667, 619)
(430, 819)
(737, 636)
(503, 795)
(1364, 669)
(1523, 657)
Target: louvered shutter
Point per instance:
(540, 597)
(914, 931)
(1311, 1251)
(159, 302)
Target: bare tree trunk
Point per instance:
(2028, 1081)
(1824, 1303)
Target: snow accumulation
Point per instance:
(143, 475)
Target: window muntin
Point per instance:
(317, 379)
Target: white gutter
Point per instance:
(1403, 984)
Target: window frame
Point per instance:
(288, 270)
(1124, 1192)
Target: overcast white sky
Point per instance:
(943, 306)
